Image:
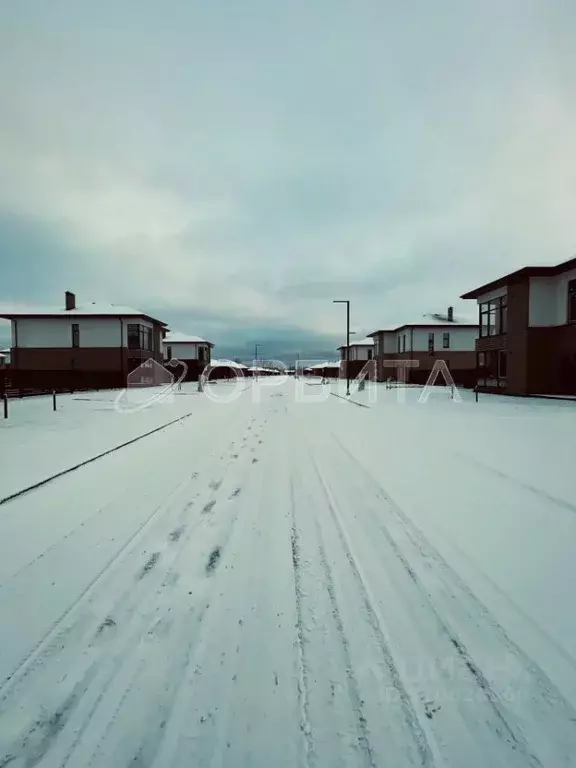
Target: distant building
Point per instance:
(527, 340)
(360, 352)
(91, 345)
(425, 341)
(193, 351)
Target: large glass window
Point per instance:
(572, 301)
(75, 334)
(493, 317)
(139, 337)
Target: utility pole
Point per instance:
(347, 302)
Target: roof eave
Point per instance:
(49, 315)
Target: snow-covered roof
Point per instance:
(433, 318)
(228, 364)
(82, 310)
(175, 337)
(430, 320)
(367, 342)
(319, 366)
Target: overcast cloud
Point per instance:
(233, 167)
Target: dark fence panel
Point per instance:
(20, 383)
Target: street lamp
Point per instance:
(255, 371)
(347, 302)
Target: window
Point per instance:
(169, 353)
(431, 343)
(370, 353)
(133, 336)
(399, 342)
(502, 364)
(481, 359)
(404, 343)
(75, 335)
(494, 317)
(572, 301)
(139, 337)
(445, 341)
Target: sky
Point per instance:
(232, 168)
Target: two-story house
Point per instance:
(193, 351)
(527, 341)
(359, 353)
(91, 345)
(413, 349)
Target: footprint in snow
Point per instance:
(150, 563)
(213, 560)
(176, 534)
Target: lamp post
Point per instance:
(347, 302)
(255, 371)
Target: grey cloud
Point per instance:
(382, 152)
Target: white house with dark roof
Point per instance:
(424, 341)
(194, 351)
(360, 353)
(89, 345)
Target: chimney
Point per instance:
(70, 300)
(450, 314)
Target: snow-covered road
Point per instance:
(272, 582)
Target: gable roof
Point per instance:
(175, 337)
(84, 310)
(525, 273)
(362, 343)
(432, 320)
(228, 364)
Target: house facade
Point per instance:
(412, 350)
(193, 351)
(81, 346)
(360, 353)
(527, 338)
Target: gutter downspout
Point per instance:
(411, 344)
(122, 372)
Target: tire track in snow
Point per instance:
(55, 638)
(53, 634)
(427, 749)
(353, 689)
(553, 711)
(556, 500)
(190, 626)
(303, 677)
(223, 714)
(114, 665)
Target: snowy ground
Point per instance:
(289, 579)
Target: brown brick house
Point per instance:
(81, 346)
(422, 343)
(527, 341)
